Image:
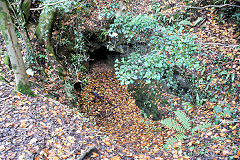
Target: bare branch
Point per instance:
(221, 44)
(237, 1)
(49, 4)
(209, 6)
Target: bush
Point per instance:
(171, 53)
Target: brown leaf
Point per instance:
(225, 152)
(238, 153)
(2, 147)
(71, 139)
(94, 155)
(30, 133)
(116, 158)
(59, 121)
(23, 124)
(236, 156)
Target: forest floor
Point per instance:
(41, 127)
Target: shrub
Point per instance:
(170, 57)
(182, 124)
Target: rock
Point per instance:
(183, 84)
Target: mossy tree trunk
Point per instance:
(25, 6)
(44, 28)
(10, 37)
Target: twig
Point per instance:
(49, 4)
(208, 6)
(220, 44)
(3, 99)
(230, 122)
(88, 153)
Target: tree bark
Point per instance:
(44, 28)
(26, 9)
(10, 37)
(122, 7)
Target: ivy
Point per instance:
(3, 15)
(169, 49)
(65, 6)
(169, 58)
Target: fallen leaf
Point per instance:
(238, 153)
(2, 147)
(71, 139)
(23, 124)
(225, 152)
(236, 156)
(30, 133)
(94, 155)
(116, 158)
(33, 140)
(59, 121)
(106, 142)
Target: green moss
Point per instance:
(14, 67)
(60, 73)
(2, 24)
(25, 89)
(145, 99)
(26, 8)
(37, 31)
(44, 29)
(7, 61)
(50, 49)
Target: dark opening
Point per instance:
(104, 55)
(77, 86)
(98, 55)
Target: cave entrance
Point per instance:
(99, 56)
(103, 55)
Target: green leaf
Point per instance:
(217, 109)
(180, 136)
(232, 77)
(197, 21)
(201, 127)
(169, 142)
(185, 23)
(183, 119)
(170, 123)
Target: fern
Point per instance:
(201, 127)
(169, 142)
(172, 124)
(183, 119)
(183, 125)
(180, 136)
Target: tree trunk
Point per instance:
(26, 9)
(10, 37)
(121, 8)
(44, 28)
